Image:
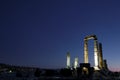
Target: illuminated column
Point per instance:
(68, 60)
(85, 51)
(96, 54)
(76, 63)
(100, 56)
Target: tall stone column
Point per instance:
(76, 63)
(100, 56)
(96, 55)
(85, 51)
(68, 60)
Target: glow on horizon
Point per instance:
(114, 69)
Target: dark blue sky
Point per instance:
(40, 32)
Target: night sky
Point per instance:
(39, 33)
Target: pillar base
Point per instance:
(96, 68)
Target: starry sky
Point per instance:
(40, 32)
